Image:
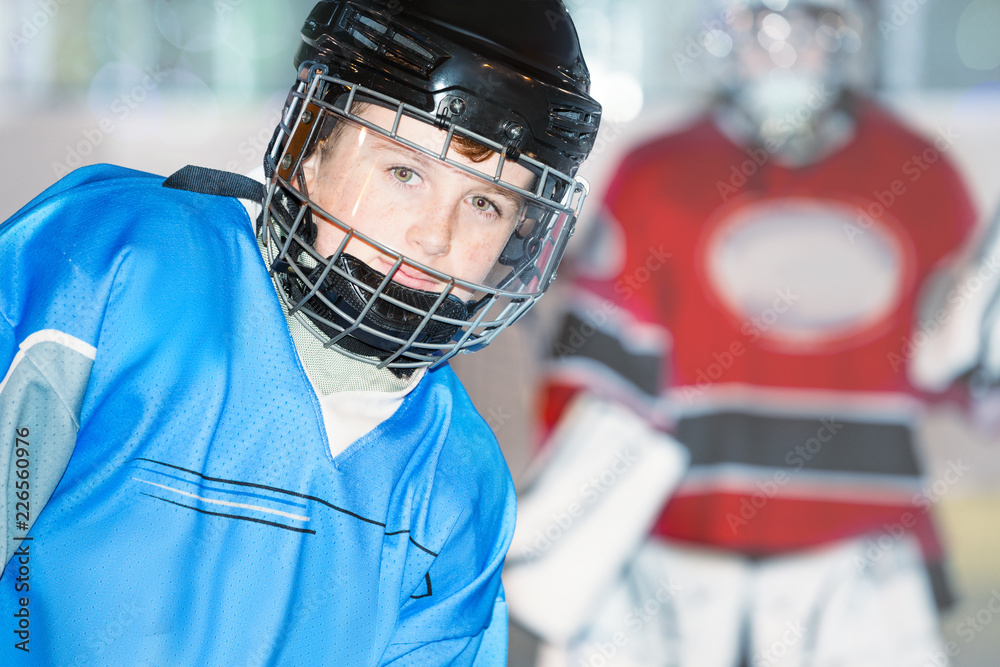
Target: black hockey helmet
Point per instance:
(510, 70)
(505, 77)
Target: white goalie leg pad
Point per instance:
(675, 607)
(588, 507)
(845, 605)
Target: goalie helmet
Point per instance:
(788, 68)
(422, 181)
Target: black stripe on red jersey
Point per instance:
(580, 338)
(827, 443)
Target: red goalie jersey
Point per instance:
(765, 315)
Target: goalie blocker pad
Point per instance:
(590, 502)
(958, 331)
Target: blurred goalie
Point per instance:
(746, 288)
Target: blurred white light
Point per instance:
(258, 35)
(126, 101)
(776, 26)
(831, 19)
(766, 41)
(189, 26)
(596, 33)
(718, 43)
(776, 5)
(976, 35)
(850, 39)
(620, 95)
(784, 55)
(828, 38)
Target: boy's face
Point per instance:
(419, 206)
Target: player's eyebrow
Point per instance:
(381, 145)
(515, 200)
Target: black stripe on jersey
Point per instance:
(825, 444)
(232, 516)
(419, 546)
(427, 579)
(944, 596)
(580, 338)
(287, 492)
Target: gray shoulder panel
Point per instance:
(40, 401)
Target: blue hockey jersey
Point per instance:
(201, 519)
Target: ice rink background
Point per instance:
(157, 84)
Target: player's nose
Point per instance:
(431, 230)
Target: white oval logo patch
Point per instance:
(807, 273)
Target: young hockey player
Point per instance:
(229, 432)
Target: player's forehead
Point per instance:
(436, 141)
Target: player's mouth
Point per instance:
(410, 277)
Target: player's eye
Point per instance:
(484, 205)
(404, 174)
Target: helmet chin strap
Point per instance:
(346, 290)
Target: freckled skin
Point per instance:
(420, 207)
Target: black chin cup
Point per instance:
(384, 317)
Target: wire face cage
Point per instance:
(400, 235)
